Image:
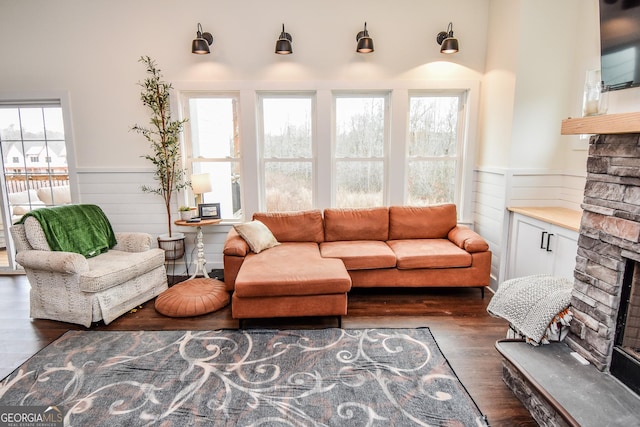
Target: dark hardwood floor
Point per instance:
(457, 318)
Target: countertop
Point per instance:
(563, 217)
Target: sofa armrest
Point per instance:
(235, 245)
(467, 239)
(133, 242)
(59, 262)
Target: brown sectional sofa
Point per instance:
(321, 257)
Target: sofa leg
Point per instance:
(240, 323)
(339, 322)
(482, 292)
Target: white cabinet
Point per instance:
(539, 247)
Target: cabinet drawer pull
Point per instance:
(542, 240)
(549, 242)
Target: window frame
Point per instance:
(324, 89)
(386, 96)
(187, 142)
(260, 140)
(461, 140)
(59, 98)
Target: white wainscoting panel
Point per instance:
(489, 212)
(119, 194)
(498, 188)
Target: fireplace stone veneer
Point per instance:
(609, 238)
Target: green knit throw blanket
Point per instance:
(82, 229)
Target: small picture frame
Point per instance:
(209, 210)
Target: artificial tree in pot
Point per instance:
(163, 135)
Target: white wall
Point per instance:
(499, 84)
(538, 53)
(528, 85)
(90, 49)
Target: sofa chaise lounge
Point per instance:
(321, 257)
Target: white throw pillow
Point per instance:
(257, 235)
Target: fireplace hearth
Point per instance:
(606, 294)
(552, 382)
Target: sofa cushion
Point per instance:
(468, 239)
(292, 268)
(257, 235)
(356, 224)
(302, 226)
(360, 254)
(424, 222)
(429, 253)
(60, 195)
(24, 201)
(115, 267)
(234, 245)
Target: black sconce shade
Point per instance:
(201, 43)
(365, 43)
(445, 39)
(283, 45)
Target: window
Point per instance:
(311, 149)
(26, 131)
(434, 149)
(287, 151)
(213, 146)
(360, 150)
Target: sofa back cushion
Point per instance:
(300, 226)
(424, 222)
(60, 195)
(356, 224)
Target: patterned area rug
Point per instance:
(327, 377)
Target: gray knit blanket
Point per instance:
(531, 303)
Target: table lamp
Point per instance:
(200, 184)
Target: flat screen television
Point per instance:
(620, 43)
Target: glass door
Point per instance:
(34, 165)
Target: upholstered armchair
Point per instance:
(68, 287)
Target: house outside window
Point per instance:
(26, 131)
(287, 151)
(213, 145)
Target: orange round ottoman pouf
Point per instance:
(192, 298)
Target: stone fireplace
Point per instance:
(606, 295)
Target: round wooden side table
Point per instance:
(200, 260)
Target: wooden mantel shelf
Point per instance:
(605, 124)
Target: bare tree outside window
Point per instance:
(433, 150)
(287, 147)
(360, 151)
